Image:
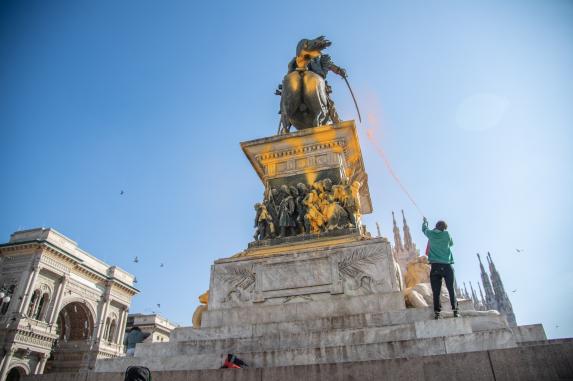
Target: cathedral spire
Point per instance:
(502, 300)
(482, 300)
(408, 244)
(397, 239)
(490, 302)
(466, 295)
(474, 297)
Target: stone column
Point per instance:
(31, 279)
(6, 364)
(29, 289)
(121, 327)
(42, 360)
(58, 299)
(102, 315)
(20, 291)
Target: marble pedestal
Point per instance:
(326, 273)
(335, 302)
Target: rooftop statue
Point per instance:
(305, 94)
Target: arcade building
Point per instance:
(61, 309)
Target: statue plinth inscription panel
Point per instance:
(295, 274)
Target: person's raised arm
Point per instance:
(425, 227)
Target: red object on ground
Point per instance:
(229, 364)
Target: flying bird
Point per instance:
(161, 265)
(134, 280)
(519, 250)
(158, 305)
(514, 290)
(136, 259)
(556, 326)
(121, 193)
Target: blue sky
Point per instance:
(471, 102)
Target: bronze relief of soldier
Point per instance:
(320, 208)
(287, 219)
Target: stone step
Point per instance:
(308, 325)
(388, 318)
(324, 338)
(469, 342)
(551, 361)
(337, 305)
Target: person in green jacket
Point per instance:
(441, 259)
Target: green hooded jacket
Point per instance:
(440, 243)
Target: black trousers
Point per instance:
(438, 272)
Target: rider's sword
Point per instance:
(353, 97)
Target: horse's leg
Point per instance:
(314, 96)
(291, 97)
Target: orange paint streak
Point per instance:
(372, 120)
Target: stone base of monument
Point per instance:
(337, 305)
(552, 360)
(330, 304)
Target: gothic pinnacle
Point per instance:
(397, 238)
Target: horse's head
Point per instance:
(312, 47)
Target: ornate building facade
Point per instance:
(62, 308)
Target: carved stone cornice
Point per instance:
(81, 290)
(302, 150)
(43, 341)
(60, 267)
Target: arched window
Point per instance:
(111, 333)
(106, 328)
(42, 307)
(33, 302)
(4, 308)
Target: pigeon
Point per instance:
(519, 250)
(158, 305)
(161, 265)
(134, 280)
(556, 326)
(136, 259)
(514, 290)
(121, 193)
